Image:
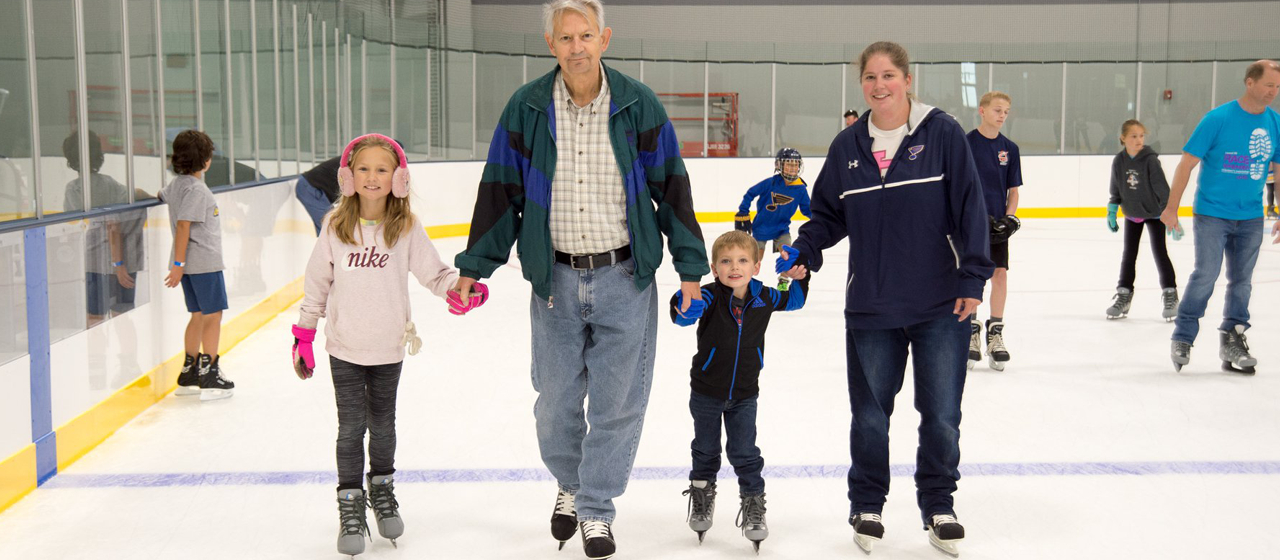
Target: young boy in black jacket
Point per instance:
(731, 318)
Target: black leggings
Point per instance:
(366, 402)
(1129, 260)
(1271, 195)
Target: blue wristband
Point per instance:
(118, 263)
(179, 264)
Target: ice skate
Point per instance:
(975, 343)
(1123, 299)
(702, 506)
(1234, 352)
(867, 529)
(1181, 354)
(189, 377)
(995, 345)
(564, 518)
(944, 533)
(213, 385)
(386, 510)
(353, 529)
(751, 520)
(597, 540)
(1169, 298)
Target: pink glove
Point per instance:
(479, 295)
(304, 360)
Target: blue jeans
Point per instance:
(877, 361)
(1240, 241)
(596, 343)
(740, 427)
(314, 200)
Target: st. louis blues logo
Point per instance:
(779, 199)
(915, 151)
(1003, 157)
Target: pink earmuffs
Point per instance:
(399, 180)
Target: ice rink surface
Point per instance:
(1088, 446)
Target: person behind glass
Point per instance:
(725, 377)
(1271, 195)
(901, 185)
(999, 165)
(781, 195)
(359, 271)
(197, 265)
(1237, 143)
(1139, 187)
(585, 171)
(850, 117)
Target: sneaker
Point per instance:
(702, 506)
(867, 529)
(189, 377)
(213, 385)
(1169, 299)
(751, 519)
(945, 532)
(386, 510)
(597, 540)
(352, 526)
(995, 345)
(975, 343)
(564, 518)
(1122, 300)
(1234, 351)
(1181, 353)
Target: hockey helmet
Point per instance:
(788, 155)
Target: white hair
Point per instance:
(552, 10)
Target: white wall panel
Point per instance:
(15, 406)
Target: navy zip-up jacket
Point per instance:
(918, 238)
(778, 203)
(731, 355)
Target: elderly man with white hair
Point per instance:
(584, 171)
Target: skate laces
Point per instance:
(1170, 298)
(383, 499)
(752, 511)
(699, 499)
(351, 515)
(996, 336)
(943, 519)
(869, 517)
(1237, 346)
(595, 529)
(564, 504)
(1123, 298)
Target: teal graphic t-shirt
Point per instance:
(1236, 149)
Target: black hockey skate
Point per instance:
(751, 520)
(597, 540)
(867, 529)
(975, 343)
(1234, 352)
(702, 506)
(1181, 354)
(189, 377)
(996, 351)
(213, 385)
(945, 533)
(564, 518)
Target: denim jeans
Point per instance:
(596, 343)
(366, 398)
(877, 361)
(1240, 241)
(313, 200)
(740, 443)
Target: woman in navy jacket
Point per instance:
(901, 185)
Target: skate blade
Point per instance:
(1113, 317)
(701, 535)
(865, 543)
(972, 363)
(183, 391)
(561, 545)
(997, 366)
(1232, 368)
(756, 545)
(946, 547)
(215, 394)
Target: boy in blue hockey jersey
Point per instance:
(732, 318)
(780, 195)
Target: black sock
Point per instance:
(994, 319)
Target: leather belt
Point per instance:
(588, 262)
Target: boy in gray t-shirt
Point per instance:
(197, 264)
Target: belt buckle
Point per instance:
(573, 262)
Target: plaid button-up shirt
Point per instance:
(588, 198)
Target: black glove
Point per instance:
(742, 222)
(1004, 228)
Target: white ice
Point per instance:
(1083, 401)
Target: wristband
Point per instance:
(179, 264)
(117, 263)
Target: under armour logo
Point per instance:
(853, 164)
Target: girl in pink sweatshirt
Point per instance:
(357, 278)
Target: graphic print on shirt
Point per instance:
(882, 160)
(1003, 156)
(1133, 179)
(1259, 153)
(369, 257)
(915, 151)
(779, 199)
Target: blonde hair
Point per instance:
(1124, 128)
(345, 219)
(551, 12)
(735, 239)
(990, 96)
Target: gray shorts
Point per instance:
(778, 242)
